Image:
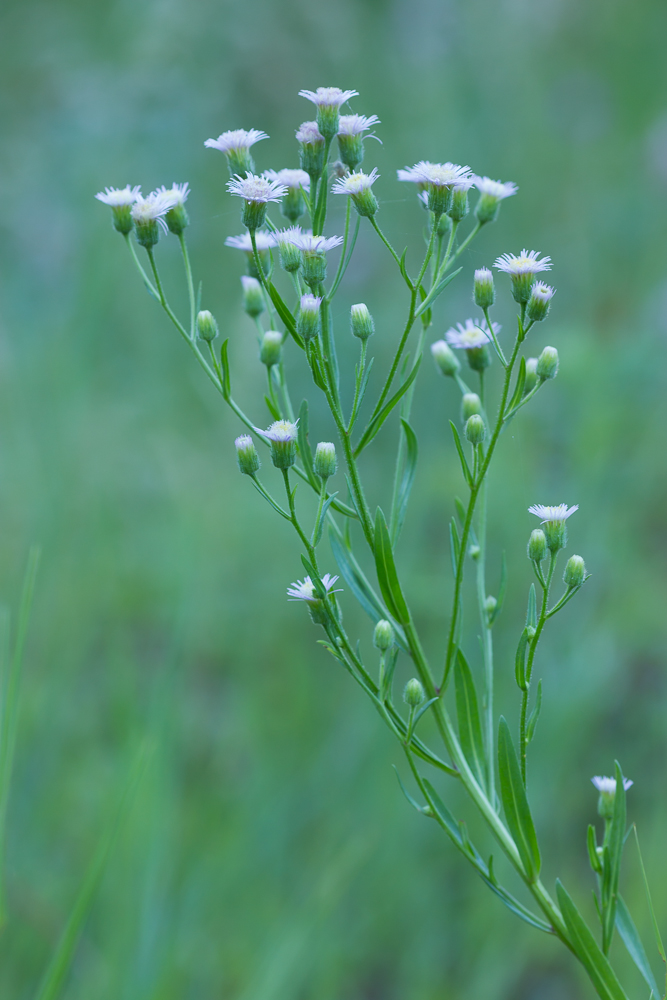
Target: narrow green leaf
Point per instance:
(329, 648)
(224, 367)
(656, 929)
(467, 474)
(592, 844)
(317, 535)
(404, 272)
(518, 390)
(386, 571)
(454, 544)
(531, 613)
(515, 803)
(520, 661)
(460, 510)
(304, 445)
(59, 967)
(535, 714)
(588, 951)
(435, 292)
(273, 410)
(377, 421)
(443, 815)
(467, 711)
(403, 494)
(410, 799)
(285, 314)
(632, 941)
(615, 843)
(518, 908)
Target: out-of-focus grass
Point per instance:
(270, 853)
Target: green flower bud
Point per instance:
(575, 572)
(470, 404)
(308, 317)
(531, 375)
(547, 364)
(475, 429)
(325, 460)
(314, 267)
(253, 214)
(490, 605)
(246, 454)
(383, 636)
(413, 694)
(539, 301)
(311, 149)
(282, 435)
(537, 546)
(271, 348)
(253, 299)
(361, 321)
(444, 225)
(484, 290)
(459, 207)
(475, 552)
(479, 358)
(207, 328)
(445, 358)
(290, 256)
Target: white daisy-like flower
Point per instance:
(607, 786)
(355, 183)
(328, 97)
(236, 139)
(291, 178)
(153, 207)
(471, 334)
(356, 124)
(496, 189)
(310, 303)
(265, 241)
(436, 174)
(527, 262)
(252, 187)
(542, 291)
(179, 192)
(290, 234)
(309, 132)
(560, 512)
(414, 174)
(315, 244)
(281, 431)
(304, 590)
(118, 197)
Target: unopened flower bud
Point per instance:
(413, 694)
(607, 789)
(207, 328)
(361, 321)
(444, 226)
(531, 632)
(575, 572)
(459, 207)
(314, 267)
(282, 435)
(383, 636)
(325, 460)
(308, 317)
(479, 358)
(531, 375)
(537, 546)
(475, 552)
(539, 301)
(311, 148)
(253, 299)
(271, 348)
(484, 289)
(475, 429)
(490, 605)
(547, 364)
(445, 358)
(246, 454)
(470, 404)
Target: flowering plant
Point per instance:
(477, 750)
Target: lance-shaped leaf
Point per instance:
(534, 715)
(520, 661)
(224, 368)
(435, 292)
(400, 505)
(615, 850)
(454, 544)
(467, 474)
(378, 420)
(587, 949)
(467, 711)
(515, 803)
(531, 612)
(630, 937)
(304, 446)
(518, 391)
(386, 571)
(285, 314)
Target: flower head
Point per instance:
(264, 240)
(236, 140)
(309, 132)
(118, 197)
(356, 124)
(438, 179)
(148, 212)
(304, 590)
(282, 435)
(355, 184)
(328, 97)
(281, 431)
(177, 217)
(314, 244)
(179, 192)
(308, 318)
(256, 188)
(290, 178)
(496, 189)
(471, 334)
(608, 785)
(538, 304)
(561, 512)
(527, 262)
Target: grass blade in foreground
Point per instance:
(515, 803)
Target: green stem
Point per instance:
(459, 250)
(191, 287)
(385, 240)
(523, 743)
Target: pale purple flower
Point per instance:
(304, 590)
(356, 124)
(265, 241)
(291, 178)
(542, 291)
(153, 207)
(179, 192)
(315, 244)
(524, 263)
(252, 187)
(290, 234)
(355, 183)
(607, 786)
(310, 303)
(280, 431)
(561, 512)
(496, 189)
(236, 139)
(117, 197)
(471, 334)
(440, 175)
(328, 97)
(309, 132)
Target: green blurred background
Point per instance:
(270, 854)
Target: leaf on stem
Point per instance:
(317, 533)
(285, 314)
(410, 799)
(435, 292)
(518, 389)
(226, 385)
(272, 408)
(531, 613)
(615, 845)
(587, 949)
(656, 930)
(386, 571)
(400, 506)
(404, 272)
(592, 845)
(534, 715)
(304, 446)
(454, 544)
(520, 661)
(515, 803)
(467, 711)
(377, 421)
(630, 937)
(467, 474)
